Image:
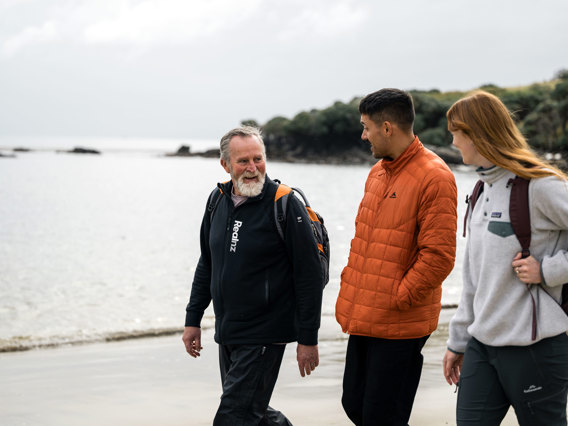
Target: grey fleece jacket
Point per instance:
(495, 305)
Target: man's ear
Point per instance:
(225, 165)
(387, 128)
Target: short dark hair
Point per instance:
(389, 105)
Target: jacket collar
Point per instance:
(492, 174)
(394, 166)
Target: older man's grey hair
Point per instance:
(242, 131)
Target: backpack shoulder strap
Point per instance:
(280, 204)
(519, 215)
(311, 213)
(471, 200)
(214, 199)
(299, 191)
(519, 212)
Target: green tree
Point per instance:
(493, 89)
(521, 102)
(541, 110)
(274, 134)
(430, 123)
(560, 95)
(338, 127)
(435, 136)
(542, 126)
(250, 122)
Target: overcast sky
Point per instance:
(194, 69)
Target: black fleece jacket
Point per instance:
(264, 289)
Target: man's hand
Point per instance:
(527, 269)
(452, 365)
(192, 340)
(308, 358)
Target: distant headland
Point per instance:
(333, 135)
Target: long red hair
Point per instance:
(489, 124)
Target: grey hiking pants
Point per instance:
(533, 379)
(249, 373)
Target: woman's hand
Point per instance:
(527, 269)
(452, 365)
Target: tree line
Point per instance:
(540, 109)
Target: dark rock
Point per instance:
(80, 150)
(210, 153)
(21, 149)
(185, 151)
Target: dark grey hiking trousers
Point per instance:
(249, 373)
(533, 379)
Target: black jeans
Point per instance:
(533, 379)
(248, 374)
(381, 378)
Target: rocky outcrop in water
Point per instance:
(80, 150)
(185, 151)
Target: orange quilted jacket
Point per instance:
(404, 247)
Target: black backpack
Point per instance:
(318, 227)
(280, 202)
(519, 214)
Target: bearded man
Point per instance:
(266, 290)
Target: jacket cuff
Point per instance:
(308, 337)
(456, 352)
(553, 270)
(193, 319)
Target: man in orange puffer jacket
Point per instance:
(404, 247)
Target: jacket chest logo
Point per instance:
(235, 236)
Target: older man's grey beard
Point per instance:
(250, 189)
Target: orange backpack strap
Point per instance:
(280, 203)
(281, 191)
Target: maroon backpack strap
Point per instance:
(471, 200)
(564, 302)
(519, 212)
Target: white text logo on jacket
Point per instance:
(235, 236)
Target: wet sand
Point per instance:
(153, 381)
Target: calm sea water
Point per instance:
(104, 247)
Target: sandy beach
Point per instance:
(153, 381)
